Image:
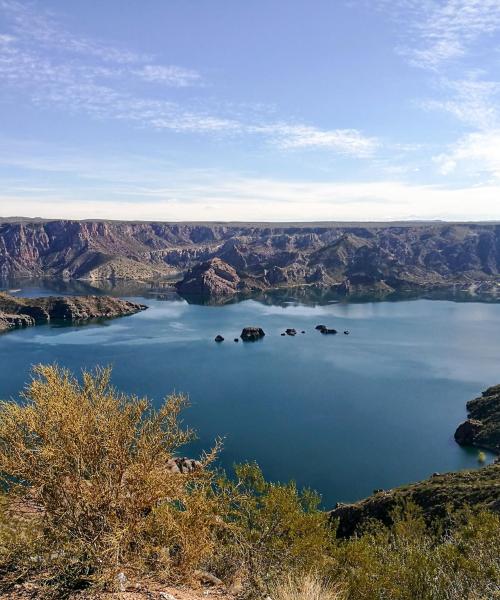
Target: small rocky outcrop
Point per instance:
(183, 465)
(252, 334)
(482, 428)
(326, 330)
(291, 332)
(219, 338)
(12, 321)
(24, 312)
(211, 279)
(467, 431)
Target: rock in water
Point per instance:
(324, 329)
(219, 338)
(291, 332)
(252, 334)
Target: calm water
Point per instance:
(342, 414)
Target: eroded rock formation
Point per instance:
(24, 312)
(349, 259)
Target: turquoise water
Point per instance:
(341, 414)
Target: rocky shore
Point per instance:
(436, 496)
(25, 312)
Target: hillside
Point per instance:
(345, 257)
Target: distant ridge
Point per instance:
(349, 258)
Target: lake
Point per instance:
(341, 414)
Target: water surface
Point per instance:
(342, 414)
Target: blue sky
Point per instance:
(261, 110)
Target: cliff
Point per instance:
(347, 258)
(482, 428)
(24, 312)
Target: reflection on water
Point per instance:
(165, 290)
(342, 414)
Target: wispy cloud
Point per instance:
(171, 75)
(445, 37)
(149, 188)
(80, 75)
(476, 154)
(344, 141)
(471, 100)
(443, 30)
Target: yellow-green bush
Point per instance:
(273, 528)
(94, 465)
(88, 493)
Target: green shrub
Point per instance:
(274, 529)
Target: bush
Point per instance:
(409, 561)
(274, 529)
(89, 493)
(94, 466)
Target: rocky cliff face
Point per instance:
(216, 279)
(347, 258)
(24, 312)
(482, 428)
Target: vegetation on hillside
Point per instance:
(90, 493)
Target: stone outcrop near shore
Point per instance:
(436, 496)
(25, 312)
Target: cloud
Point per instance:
(472, 101)
(444, 30)
(474, 154)
(74, 74)
(344, 141)
(170, 194)
(170, 75)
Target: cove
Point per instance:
(341, 414)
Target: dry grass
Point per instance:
(308, 587)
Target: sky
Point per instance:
(257, 110)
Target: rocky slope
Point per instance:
(347, 258)
(215, 279)
(24, 312)
(442, 493)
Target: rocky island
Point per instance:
(221, 260)
(24, 312)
